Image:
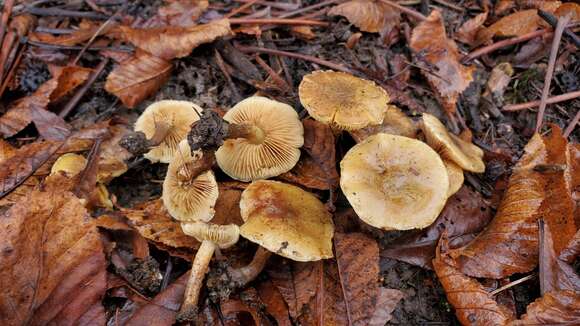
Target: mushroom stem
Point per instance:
(161, 130)
(191, 170)
(199, 268)
(249, 131)
(244, 275)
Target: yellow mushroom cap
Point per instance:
(456, 178)
(279, 150)
(178, 114)
(394, 182)
(343, 100)
(190, 201)
(395, 122)
(224, 236)
(70, 164)
(286, 220)
(468, 156)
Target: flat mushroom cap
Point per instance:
(179, 114)
(468, 156)
(456, 178)
(343, 100)
(191, 201)
(224, 236)
(395, 122)
(394, 182)
(283, 135)
(286, 220)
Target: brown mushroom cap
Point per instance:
(178, 114)
(70, 164)
(343, 100)
(394, 182)
(224, 236)
(190, 201)
(278, 148)
(395, 122)
(286, 220)
(468, 156)
(456, 178)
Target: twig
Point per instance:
(6, 12)
(553, 21)
(241, 8)
(81, 92)
(277, 79)
(75, 47)
(63, 13)
(279, 21)
(511, 284)
(408, 11)
(551, 100)
(572, 125)
(11, 71)
(55, 31)
(562, 22)
(308, 8)
(502, 44)
(449, 5)
(221, 64)
(322, 62)
(275, 4)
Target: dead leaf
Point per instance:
(572, 250)
(112, 156)
(319, 144)
(183, 13)
(568, 8)
(554, 308)
(297, 283)
(468, 31)
(471, 302)
(274, 302)
(555, 274)
(173, 42)
(516, 24)
(386, 304)
(138, 78)
(369, 15)
(235, 310)
(53, 269)
(83, 33)
(303, 32)
(449, 78)
(465, 214)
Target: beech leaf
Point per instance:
(555, 274)
(554, 308)
(371, 16)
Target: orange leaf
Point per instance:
(516, 24)
(431, 44)
(468, 31)
(555, 274)
(554, 308)
(138, 78)
(369, 15)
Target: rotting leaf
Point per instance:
(85, 31)
(138, 78)
(464, 214)
(555, 274)
(274, 302)
(554, 308)
(371, 16)
(468, 31)
(572, 250)
(53, 267)
(173, 42)
(112, 156)
(447, 76)
(386, 303)
(297, 283)
(471, 302)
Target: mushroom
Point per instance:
(455, 173)
(160, 128)
(468, 156)
(189, 196)
(211, 236)
(395, 122)
(343, 100)
(394, 182)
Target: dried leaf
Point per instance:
(471, 302)
(112, 156)
(572, 250)
(173, 42)
(569, 8)
(386, 304)
(554, 308)
(53, 269)
(465, 214)
(516, 24)
(555, 274)
(303, 32)
(369, 15)
(468, 31)
(449, 78)
(296, 282)
(85, 31)
(138, 78)
(183, 13)
(274, 302)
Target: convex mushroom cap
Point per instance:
(272, 149)
(343, 100)
(224, 236)
(468, 156)
(394, 182)
(175, 118)
(395, 122)
(286, 220)
(456, 178)
(187, 199)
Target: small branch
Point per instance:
(6, 12)
(410, 12)
(551, 100)
(553, 21)
(572, 125)
(308, 8)
(63, 13)
(275, 77)
(449, 5)
(278, 21)
(550, 72)
(222, 65)
(81, 92)
(75, 47)
(502, 44)
(241, 8)
(511, 284)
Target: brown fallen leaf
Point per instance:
(568, 8)
(468, 31)
(112, 157)
(465, 214)
(274, 302)
(303, 32)
(83, 33)
(386, 303)
(138, 78)
(369, 15)
(572, 250)
(471, 302)
(173, 42)
(33, 108)
(555, 274)
(246, 312)
(431, 45)
(183, 13)
(554, 308)
(53, 269)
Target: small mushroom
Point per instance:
(189, 195)
(160, 128)
(455, 173)
(211, 236)
(343, 100)
(395, 122)
(264, 140)
(468, 156)
(394, 182)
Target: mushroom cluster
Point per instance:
(398, 176)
